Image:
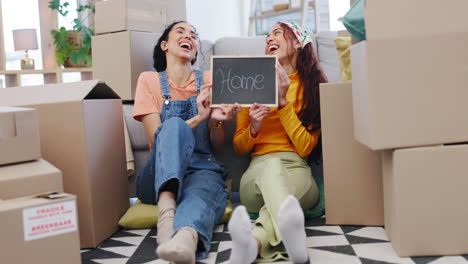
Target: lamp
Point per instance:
(25, 39)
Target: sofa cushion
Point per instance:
(328, 56)
(140, 215)
(243, 45)
(343, 47)
(235, 164)
(143, 216)
(141, 157)
(205, 52)
(136, 130)
(240, 46)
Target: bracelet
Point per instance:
(219, 124)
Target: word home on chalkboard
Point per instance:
(244, 79)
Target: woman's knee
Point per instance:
(251, 198)
(258, 170)
(173, 125)
(173, 132)
(310, 198)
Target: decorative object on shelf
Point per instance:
(279, 5)
(25, 39)
(73, 47)
(265, 13)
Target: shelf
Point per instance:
(15, 72)
(76, 69)
(256, 20)
(51, 72)
(13, 77)
(272, 13)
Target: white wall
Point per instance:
(219, 18)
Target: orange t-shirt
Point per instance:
(149, 99)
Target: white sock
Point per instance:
(244, 246)
(166, 208)
(291, 227)
(181, 248)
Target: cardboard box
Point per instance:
(119, 58)
(81, 128)
(39, 230)
(141, 15)
(29, 178)
(409, 79)
(19, 135)
(352, 172)
(425, 200)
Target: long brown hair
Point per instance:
(310, 76)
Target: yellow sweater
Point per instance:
(281, 130)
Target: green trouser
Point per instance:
(267, 182)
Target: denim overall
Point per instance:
(184, 154)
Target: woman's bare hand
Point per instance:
(204, 102)
(257, 113)
(225, 112)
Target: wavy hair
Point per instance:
(310, 75)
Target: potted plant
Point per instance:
(72, 47)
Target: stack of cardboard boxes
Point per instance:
(352, 172)
(126, 33)
(409, 94)
(36, 216)
(81, 133)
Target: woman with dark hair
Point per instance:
(278, 184)
(174, 106)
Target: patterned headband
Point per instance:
(301, 34)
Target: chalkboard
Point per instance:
(244, 80)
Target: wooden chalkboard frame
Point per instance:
(244, 57)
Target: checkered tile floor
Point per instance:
(327, 245)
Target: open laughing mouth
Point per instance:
(186, 45)
(272, 48)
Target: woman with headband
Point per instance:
(278, 184)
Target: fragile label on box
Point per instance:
(49, 220)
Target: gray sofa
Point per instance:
(236, 165)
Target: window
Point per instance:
(338, 8)
(24, 14)
(67, 21)
(71, 77)
(17, 15)
(32, 79)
